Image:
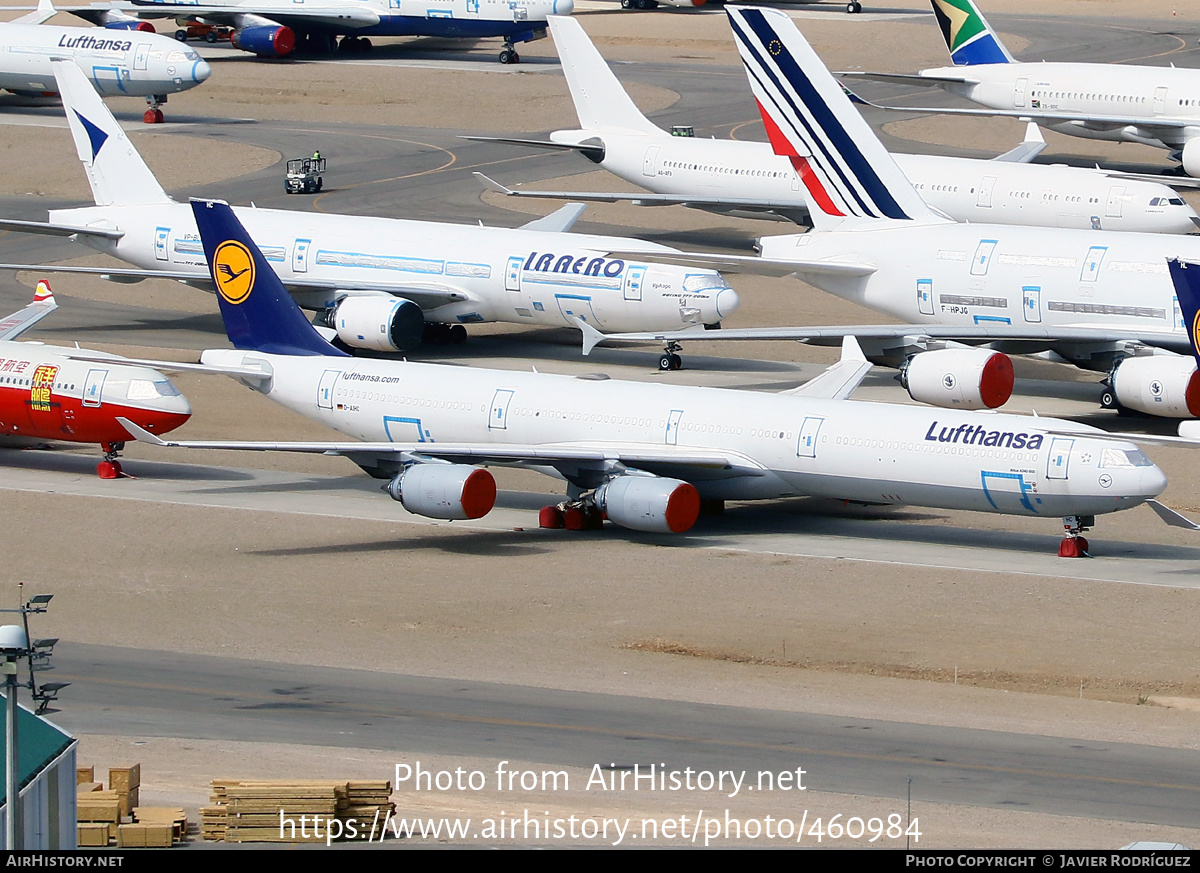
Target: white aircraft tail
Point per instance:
(116, 172)
(600, 101)
(847, 172)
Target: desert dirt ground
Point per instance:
(1027, 654)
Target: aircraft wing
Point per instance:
(425, 295)
(343, 16)
(589, 148)
(909, 78)
(663, 460)
(839, 381)
(1036, 338)
(788, 208)
(1028, 149)
(16, 324)
(749, 263)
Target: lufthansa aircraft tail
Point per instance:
(847, 172)
(600, 101)
(1186, 277)
(969, 38)
(116, 172)
(258, 312)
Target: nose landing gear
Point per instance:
(154, 115)
(110, 467)
(1074, 545)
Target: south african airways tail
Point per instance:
(969, 38)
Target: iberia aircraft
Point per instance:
(1155, 106)
(1100, 300)
(120, 59)
(749, 179)
(381, 283)
(645, 455)
(46, 393)
(273, 28)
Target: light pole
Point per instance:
(14, 644)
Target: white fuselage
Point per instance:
(119, 63)
(780, 445)
(991, 192)
(520, 276)
(960, 274)
(1148, 96)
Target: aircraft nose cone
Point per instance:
(727, 302)
(201, 71)
(562, 7)
(1153, 481)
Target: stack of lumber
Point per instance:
(127, 782)
(246, 811)
(159, 815)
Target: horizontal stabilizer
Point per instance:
(45, 228)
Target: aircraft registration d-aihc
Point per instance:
(119, 60)
(46, 393)
(645, 455)
(379, 281)
(1155, 106)
(273, 28)
(748, 178)
(1102, 300)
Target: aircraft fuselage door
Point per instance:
(650, 161)
(498, 416)
(93, 387)
(1060, 457)
(141, 56)
(512, 274)
(1116, 197)
(1160, 100)
(161, 237)
(985, 192)
(1091, 263)
(1019, 93)
(1031, 304)
(300, 255)
(983, 257)
(925, 296)
(634, 277)
(806, 447)
(672, 433)
(325, 389)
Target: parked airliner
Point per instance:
(645, 455)
(273, 28)
(748, 178)
(379, 281)
(1155, 106)
(120, 61)
(45, 394)
(1102, 300)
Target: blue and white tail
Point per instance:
(969, 38)
(846, 171)
(1186, 277)
(116, 172)
(600, 101)
(258, 312)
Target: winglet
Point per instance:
(43, 294)
(1171, 517)
(1029, 148)
(140, 434)
(258, 312)
(492, 184)
(43, 304)
(591, 336)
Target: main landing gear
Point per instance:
(443, 334)
(854, 8)
(154, 115)
(508, 54)
(110, 467)
(670, 359)
(1074, 545)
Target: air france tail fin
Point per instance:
(116, 172)
(258, 312)
(1186, 277)
(969, 38)
(847, 172)
(600, 101)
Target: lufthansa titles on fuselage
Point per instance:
(977, 435)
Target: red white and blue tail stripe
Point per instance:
(809, 119)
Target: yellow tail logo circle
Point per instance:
(233, 271)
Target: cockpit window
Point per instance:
(144, 389)
(1117, 458)
(1156, 201)
(1176, 201)
(698, 282)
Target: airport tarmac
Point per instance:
(961, 621)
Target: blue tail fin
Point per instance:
(969, 38)
(1187, 288)
(258, 312)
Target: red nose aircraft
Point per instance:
(47, 392)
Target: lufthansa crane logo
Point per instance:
(1196, 331)
(233, 271)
